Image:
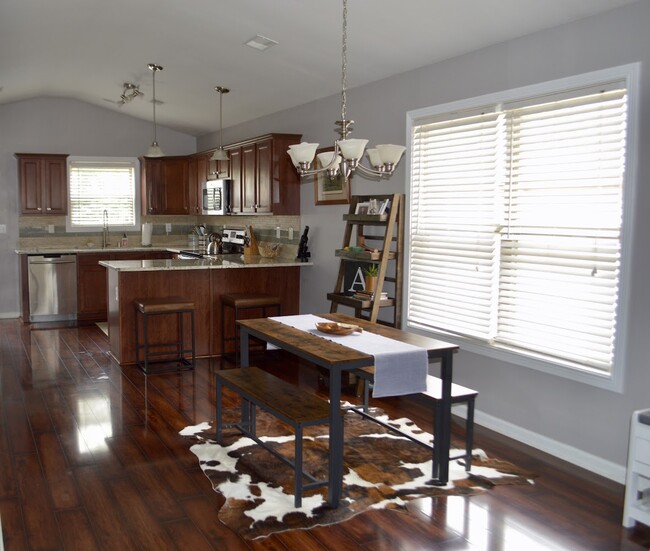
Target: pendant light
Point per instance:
(220, 154)
(154, 149)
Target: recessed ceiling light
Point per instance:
(260, 42)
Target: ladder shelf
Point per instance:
(387, 232)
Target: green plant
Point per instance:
(371, 270)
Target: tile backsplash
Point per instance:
(50, 231)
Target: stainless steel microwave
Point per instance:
(216, 197)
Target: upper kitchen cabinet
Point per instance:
(202, 169)
(235, 155)
(264, 179)
(165, 185)
(43, 182)
(207, 169)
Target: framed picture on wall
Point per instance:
(334, 191)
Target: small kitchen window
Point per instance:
(98, 184)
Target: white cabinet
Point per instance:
(637, 485)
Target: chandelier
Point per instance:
(154, 149)
(348, 152)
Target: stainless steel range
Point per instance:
(233, 240)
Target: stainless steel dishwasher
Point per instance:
(52, 287)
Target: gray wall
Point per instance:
(53, 125)
(572, 420)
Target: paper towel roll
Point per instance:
(147, 230)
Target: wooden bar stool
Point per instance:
(239, 302)
(173, 352)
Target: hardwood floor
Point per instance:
(91, 458)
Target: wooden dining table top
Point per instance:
(326, 352)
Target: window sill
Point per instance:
(613, 382)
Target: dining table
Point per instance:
(337, 359)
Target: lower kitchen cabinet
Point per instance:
(91, 287)
(91, 281)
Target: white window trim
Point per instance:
(138, 195)
(631, 74)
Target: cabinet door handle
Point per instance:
(39, 208)
(48, 208)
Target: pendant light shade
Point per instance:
(154, 149)
(220, 154)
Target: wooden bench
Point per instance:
(285, 401)
(459, 395)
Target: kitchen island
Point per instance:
(202, 281)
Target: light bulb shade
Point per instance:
(292, 157)
(352, 149)
(390, 154)
(219, 155)
(154, 151)
(374, 158)
(303, 152)
(326, 158)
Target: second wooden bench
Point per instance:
(285, 401)
(459, 395)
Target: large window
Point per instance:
(517, 224)
(98, 185)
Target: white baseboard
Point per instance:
(9, 315)
(578, 457)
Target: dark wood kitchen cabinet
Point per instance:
(235, 155)
(91, 281)
(264, 179)
(165, 185)
(194, 186)
(43, 180)
(202, 169)
(91, 287)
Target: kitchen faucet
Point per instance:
(105, 242)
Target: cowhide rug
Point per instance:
(382, 470)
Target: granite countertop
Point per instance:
(75, 250)
(216, 262)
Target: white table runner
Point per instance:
(400, 368)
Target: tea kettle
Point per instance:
(214, 245)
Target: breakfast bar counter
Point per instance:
(202, 281)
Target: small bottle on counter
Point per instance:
(125, 241)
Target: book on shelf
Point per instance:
(384, 207)
(365, 295)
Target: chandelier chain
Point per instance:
(344, 62)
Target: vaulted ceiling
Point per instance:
(88, 49)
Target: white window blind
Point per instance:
(516, 222)
(98, 185)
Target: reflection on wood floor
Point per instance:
(91, 458)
